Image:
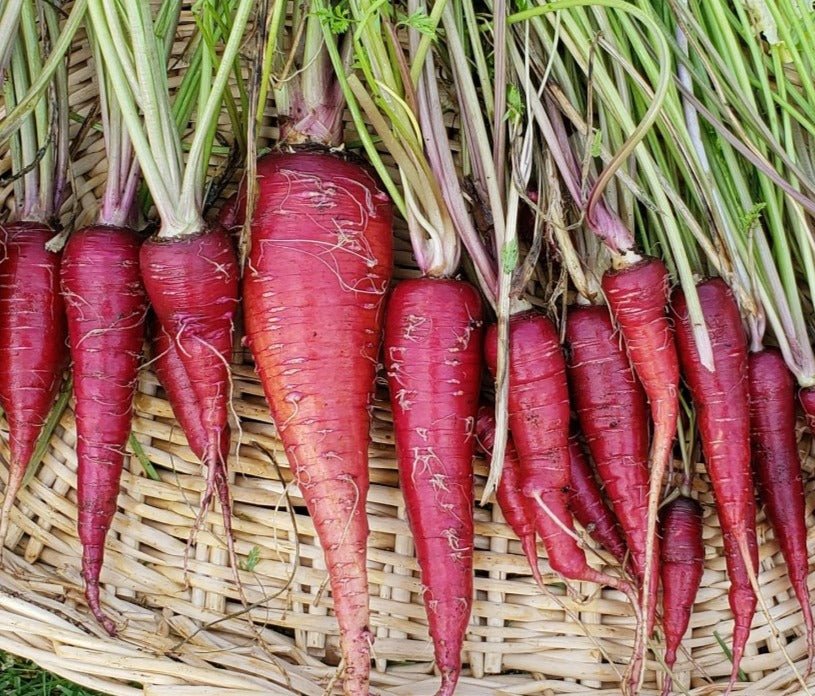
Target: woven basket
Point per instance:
(189, 631)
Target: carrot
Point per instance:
(776, 462)
(539, 423)
(192, 282)
(433, 353)
(518, 510)
(611, 408)
(722, 406)
(638, 298)
(32, 344)
(105, 305)
(683, 559)
(314, 289)
(807, 398)
(184, 402)
(588, 505)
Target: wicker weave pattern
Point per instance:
(181, 630)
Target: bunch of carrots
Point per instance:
(665, 292)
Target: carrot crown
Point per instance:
(127, 41)
(39, 140)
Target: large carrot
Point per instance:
(33, 354)
(722, 405)
(433, 352)
(106, 306)
(518, 509)
(683, 560)
(539, 416)
(776, 462)
(314, 290)
(612, 411)
(588, 505)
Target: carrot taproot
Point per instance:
(105, 304)
(588, 505)
(611, 408)
(681, 568)
(539, 416)
(187, 410)
(637, 295)
(192, 283)
(722, 406)
(33, 353)
(433, 357)
(778, 468)
(518, 509)
(314, 289)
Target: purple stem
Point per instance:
(759, 162)
(437, 147)
(601, 220)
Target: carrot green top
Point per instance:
(39, 135)
(134, 60)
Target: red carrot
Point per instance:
(518, 510)
(433, 349)
(314, 290)
(638, 298)
(683, 560)
(539, 423)
(105, 304)
(192, 282)
(610, 405)
(588, 505)
(189, 269)
(776, 462)
(722, 407)
(186, 408)
(33, 354)
(807, 397)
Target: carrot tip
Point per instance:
(103, 619)
(449, 680)
(531, 553)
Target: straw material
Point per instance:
(195, 633)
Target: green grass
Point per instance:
(20, 677)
